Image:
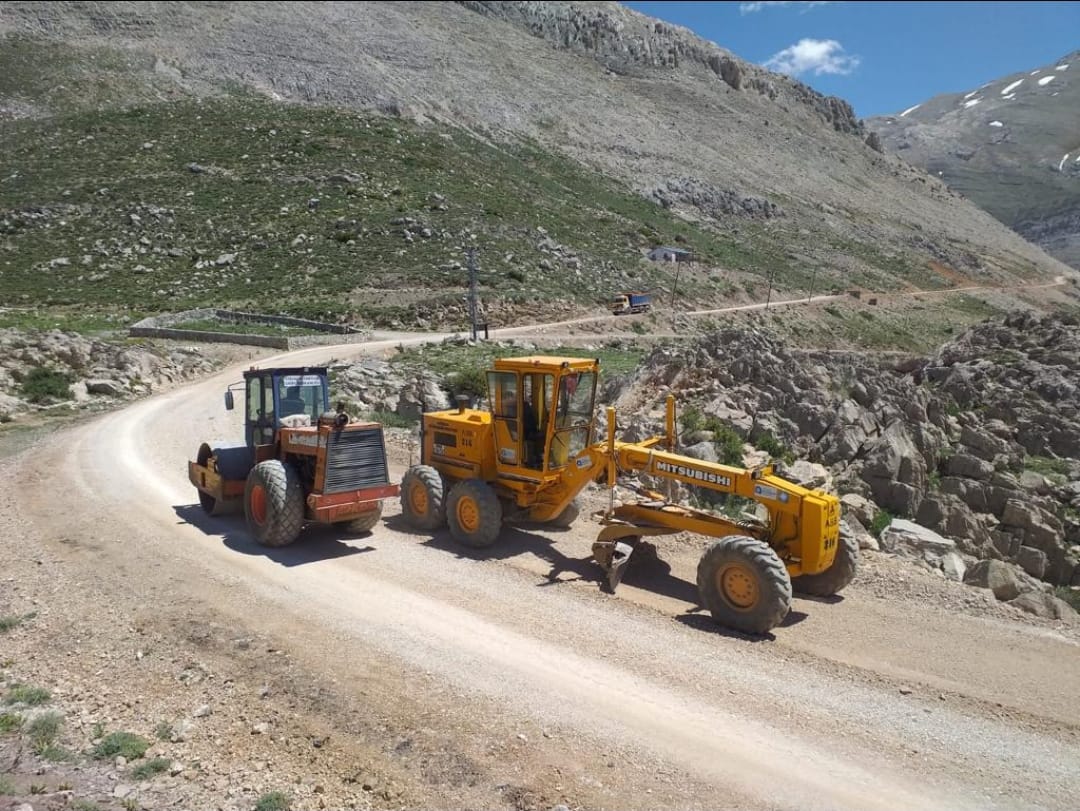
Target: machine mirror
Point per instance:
(229, 404)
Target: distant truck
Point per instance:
(625, 303)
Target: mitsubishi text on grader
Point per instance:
(299, 462)
(533, 451)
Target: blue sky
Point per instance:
(885, 57)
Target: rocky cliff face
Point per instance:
(1011, 145)
(979, 442)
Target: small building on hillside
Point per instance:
(664, 253)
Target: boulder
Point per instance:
(110, 388)
(969, 467)
(1032, 561)
(903, 536)
(1045, 605)
(953, 566)
(982, 443)
(705, 451)
(995, 575)
(862, 508)
(808, 474)
(851, 528)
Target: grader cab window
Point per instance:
(573, 417)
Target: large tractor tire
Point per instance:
(568, 516)
(423, 498)
(274, 503)
(365, 522)
(474, 513)
(744, 584)
(836, 577)
(210, 505)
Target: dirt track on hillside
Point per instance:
(509, 680)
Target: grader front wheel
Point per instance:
(474, 513)
(744, 584)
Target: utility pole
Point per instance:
(813, 280)
(470, 255)
(768, 297)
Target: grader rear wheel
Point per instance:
(423, 498)
(744, 584)
(474, 513)
(836, 577)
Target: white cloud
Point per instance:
(815, 56)
(751, 8)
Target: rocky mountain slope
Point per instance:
(510, 115)
(1011, 145)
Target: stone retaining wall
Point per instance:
(161, 326)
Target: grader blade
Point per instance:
(614, 546)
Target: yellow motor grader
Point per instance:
(531, 453)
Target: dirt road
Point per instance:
(516, 665)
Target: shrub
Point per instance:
(150, 768)
(273, 801)
(471, 382)
(43, 729)
(163, 731)
(729, 445)
(43, 385)
(881, 520)
(131, 746)
(10, 722)
(13, 621)
(774, 447)
(517, 274)
(30, 696)
(1069, 595)
(692, 420)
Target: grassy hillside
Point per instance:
(106, 216)
(314, 212)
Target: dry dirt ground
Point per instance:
(395, 669)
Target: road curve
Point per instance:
(810, 719)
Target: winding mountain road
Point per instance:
(864, 703)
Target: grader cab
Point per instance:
(531, 453)
(299, 462)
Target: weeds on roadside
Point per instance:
(163, 731)
(24, 694)
(10, 722)
(150, 768)
(273, 801)
(127, 744)
(14, 620)
(42, 731)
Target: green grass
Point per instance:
(131, 746)
(389, 419)
(774, 447)
(1069, 595)
(882, 519)
(264, 161)
(43, 730)
(25, 694)
(14, 621)
(273, 801)
(7, 787)
(56, 754)
(10, 722)
(151, 768)
(42, 385)
(1047, 466)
